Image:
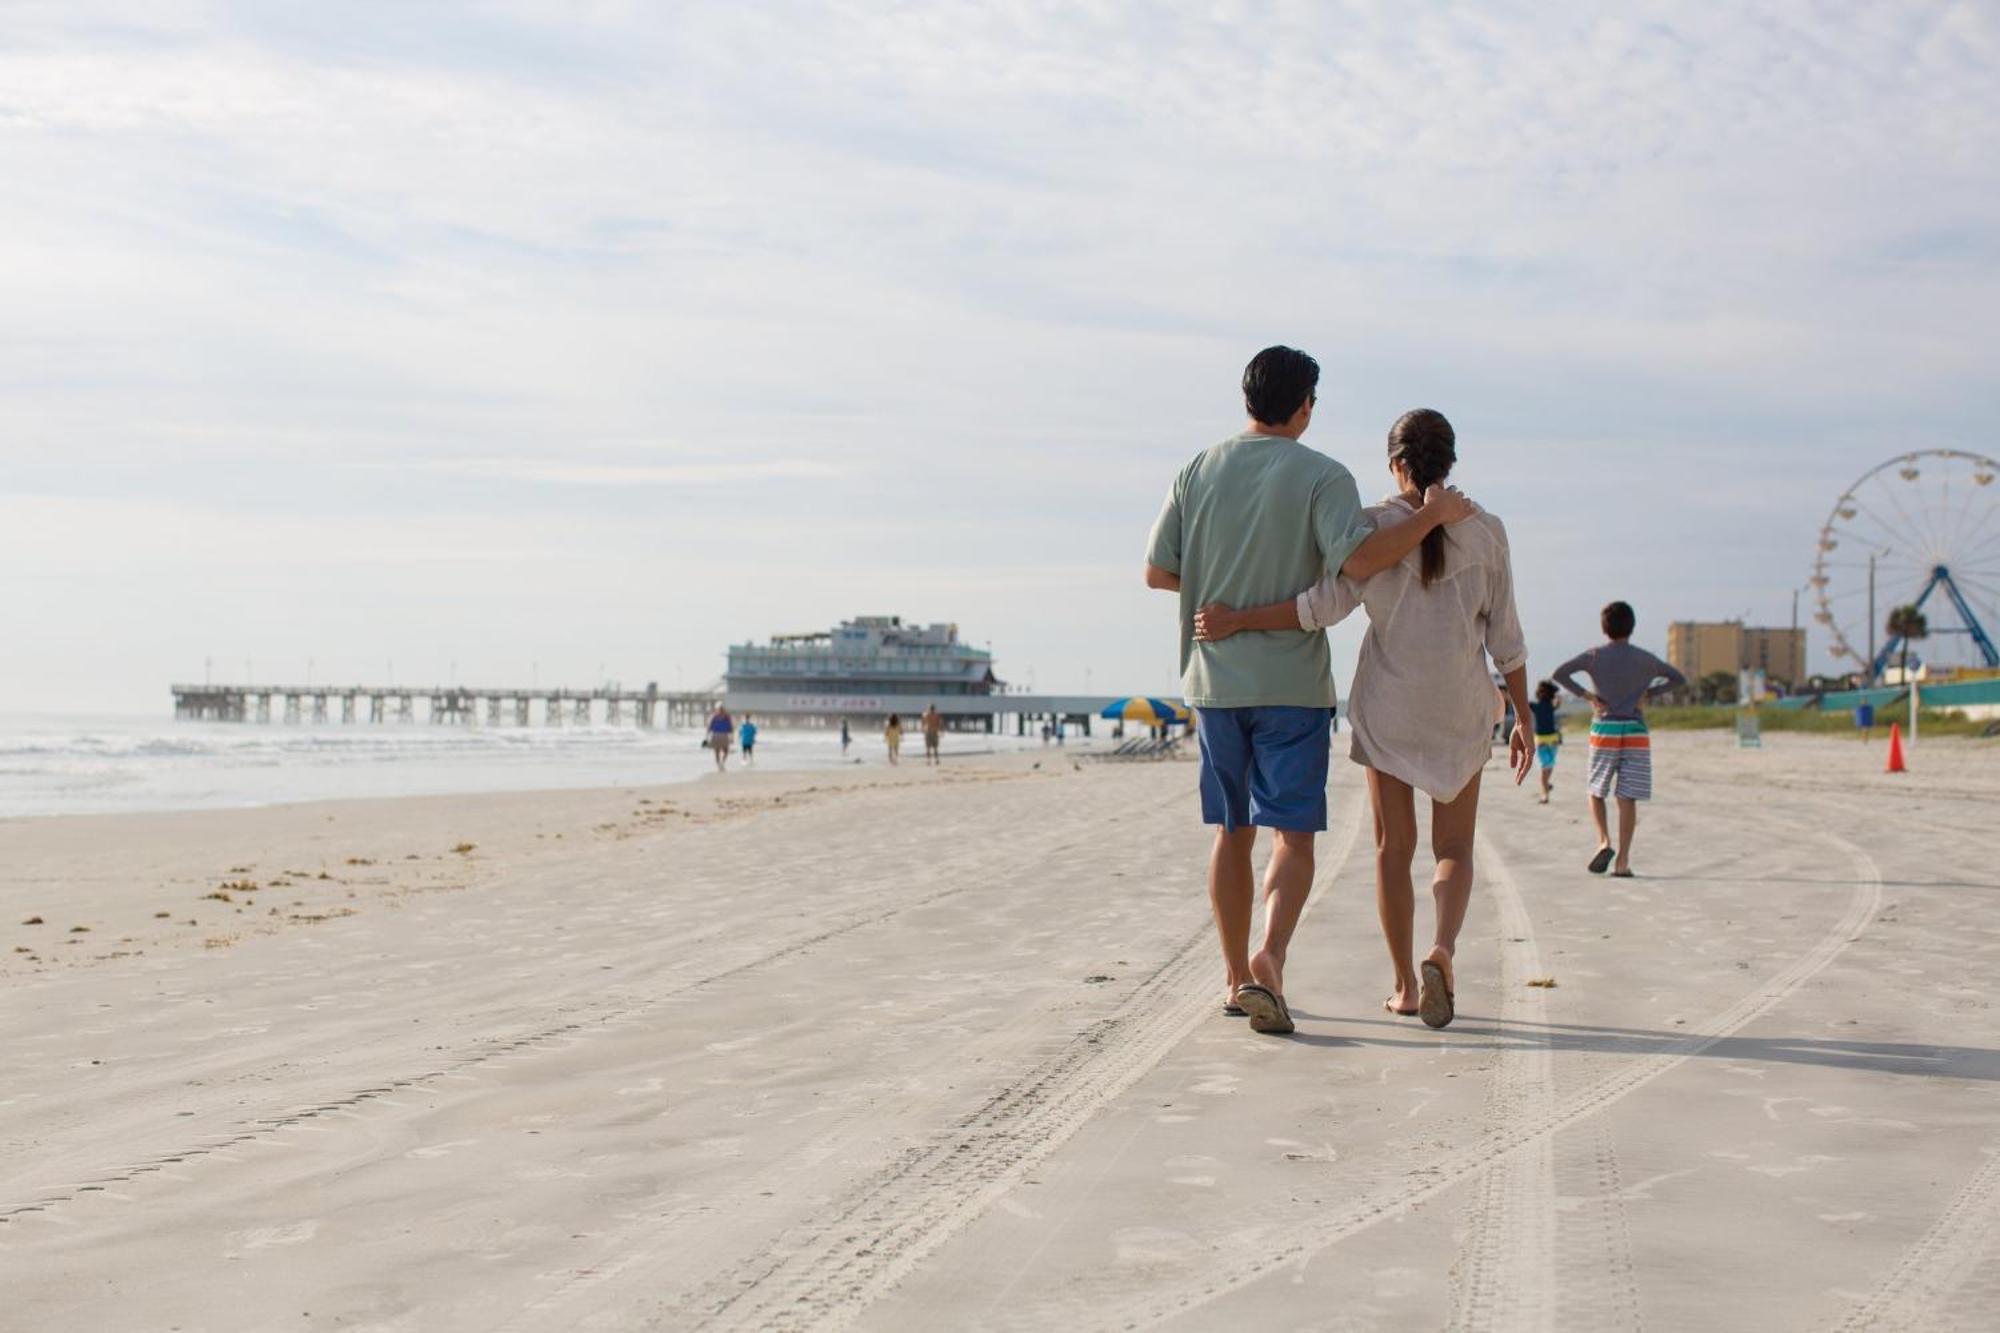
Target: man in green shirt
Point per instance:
(1253, 520)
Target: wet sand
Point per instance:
(922, 1050)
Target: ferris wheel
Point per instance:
(1923, 524)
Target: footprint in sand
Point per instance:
(639, 1089)
(440, 1149)
(259, 1238)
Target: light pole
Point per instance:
(1869, 675)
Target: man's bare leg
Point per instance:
(1229, 888)
(1287, 883)
(1453, 824)
(1628, 821)
(1395, 809)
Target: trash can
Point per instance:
(1864, 716)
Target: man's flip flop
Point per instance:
(1434, 1000)
(1267, 1011)
(1602, 861)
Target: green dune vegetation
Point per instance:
(1722, 717)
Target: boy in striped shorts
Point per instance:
(1622, 677)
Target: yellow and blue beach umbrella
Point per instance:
(1146, 709)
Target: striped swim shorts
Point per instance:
(1621, 759)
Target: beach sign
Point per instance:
(1750, 691)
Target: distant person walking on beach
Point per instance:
(893, 735)
(746, 736)
(719, 729)
(933, 735)
(846, 738)
(1622, 677)
(1254, 518)
(1422, 710)
(1548, 735)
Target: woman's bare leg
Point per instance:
(1453, 823)
(1395, 898)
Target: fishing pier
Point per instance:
(457, 705)
(462, 705)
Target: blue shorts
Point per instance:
(1264, 766)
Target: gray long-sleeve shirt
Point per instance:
(1620, 674)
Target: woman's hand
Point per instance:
(1214, 623)
(1521, 750)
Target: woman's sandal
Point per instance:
(1390, 1006)
(1267, 1010)
(1435, 1001)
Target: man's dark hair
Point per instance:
(1277, 383)
(1618, 620)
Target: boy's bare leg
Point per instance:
(1628, 820)
(1452, 826)
(1597, 817)
(1287, 883)
(1229, 887)
(1395, 897)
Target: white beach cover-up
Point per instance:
(1423, 705)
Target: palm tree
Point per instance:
(1908, 624)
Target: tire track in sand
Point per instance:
(1296, 1240)
(624, 1006)
(1918, 1293)
(877, 1234)
(1505, 1275)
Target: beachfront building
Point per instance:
(1701, 648)
(864, 667)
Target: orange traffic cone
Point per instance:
(1895, 764)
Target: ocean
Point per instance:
(95, 764)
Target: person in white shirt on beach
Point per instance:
(1422, 710)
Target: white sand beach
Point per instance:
(920, 1050)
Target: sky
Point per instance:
(576, 341)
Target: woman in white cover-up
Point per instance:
(1423, 707)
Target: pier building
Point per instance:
(860, 671)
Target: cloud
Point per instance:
(654, 474)
(961, 284)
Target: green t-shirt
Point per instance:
(1256, 519)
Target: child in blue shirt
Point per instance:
(1548, 734)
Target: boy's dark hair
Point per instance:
(1618, 620)
(1425, 444)
(1545, 692)
(1277, 383)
